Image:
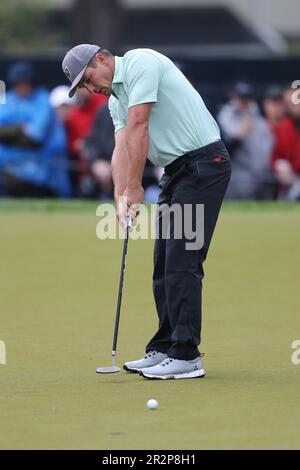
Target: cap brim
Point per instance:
(76, 82)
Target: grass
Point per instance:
(75, 205)
(57, 302)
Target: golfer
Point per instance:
(157, 114)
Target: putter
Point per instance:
(114, 368)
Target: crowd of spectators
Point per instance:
(54, 146)
(264, 143)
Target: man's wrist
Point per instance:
(134, 185)
(118, 194)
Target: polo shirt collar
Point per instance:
(118, 75)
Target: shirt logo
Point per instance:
(68, 73)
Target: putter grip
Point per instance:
(128, 221)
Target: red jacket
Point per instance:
(81, 118)
(287, 145)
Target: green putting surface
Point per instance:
(57, 301)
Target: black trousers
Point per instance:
(198, 178)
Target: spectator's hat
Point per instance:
(60, 96)
(274, 92)
(76, 61)
(243, 90)
(21, 72)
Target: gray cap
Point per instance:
(76, 61)
(274, 92)
(244, 90)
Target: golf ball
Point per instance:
(152, 404)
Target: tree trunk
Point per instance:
(96, 22)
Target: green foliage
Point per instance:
(294, 48)
(26, 26)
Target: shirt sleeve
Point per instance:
(118, 121)
(142, 73)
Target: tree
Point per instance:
(26, 26)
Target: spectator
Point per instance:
(274, 107)
(286, 156)
(32, 140)
(152, 189)
(79, 124)
(98, 148)
(250, 143)
(63, 105)
(60, 101)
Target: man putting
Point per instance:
(158, 115)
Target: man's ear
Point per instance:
(100, 57)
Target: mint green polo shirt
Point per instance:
(179, 120)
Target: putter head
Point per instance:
(108, 370)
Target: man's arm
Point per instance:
(119, 166)
(137, 143)
(119, 163)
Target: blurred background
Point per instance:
(241, 55)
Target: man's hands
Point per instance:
(121, 209)
(134, 195)
(129, 204)
(128, 163)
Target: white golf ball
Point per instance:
(152, 404)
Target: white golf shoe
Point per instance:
(152, 358)
(175, 369)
